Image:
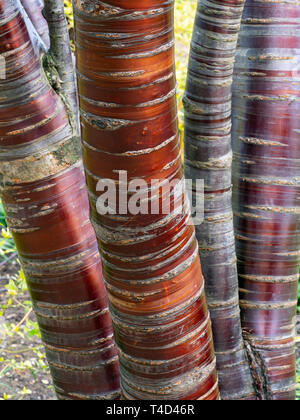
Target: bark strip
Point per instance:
(126, 78)
(266, 129)
(208, 156)
(45, 200)
(34, 9)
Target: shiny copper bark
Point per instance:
(44, 196)
(208, 156)
(126, 79)
(266, 129)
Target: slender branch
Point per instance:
(23, 319)
(2, 370)
(60, 57)
(8, 259)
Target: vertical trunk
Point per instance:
(43, 192)
(208, 156)
(60, 56)
(266, 129)
(34, 9)
(125, 56)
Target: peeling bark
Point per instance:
(126, 79)
(266, 107)
(44, 196)
(34, 9)
(208, 156)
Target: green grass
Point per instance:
(7, 246)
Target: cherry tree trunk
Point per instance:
(127, 93)
(208, 156)
(266, 174)
(45, 200)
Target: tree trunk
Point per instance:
(266, 128)
(126, 78)
(44, 196)
(208, 156)
(60, 53)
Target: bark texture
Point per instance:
(60, 57)
(266, 130)
(126, 78)
(34, 9)
(208, 156)
(44, 196)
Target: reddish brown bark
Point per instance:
(266, 189)
(44, 196)
(125, 57)
(208, 156)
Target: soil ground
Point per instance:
(23, 370)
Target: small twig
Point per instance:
(8, 259)
(20, 304)
(3, 370)
(24, 350)
(23, 320)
